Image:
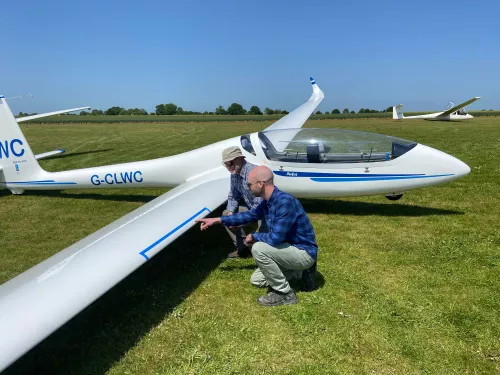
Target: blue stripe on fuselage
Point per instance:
(319, 174)
(354, 177)
(43, 182)
(376, 178)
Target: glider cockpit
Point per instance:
(461, 112)
(315, 146)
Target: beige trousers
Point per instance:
(278, 264)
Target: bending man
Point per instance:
(240, 197)
(288, 248)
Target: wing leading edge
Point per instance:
(34, 117)
(40, 300)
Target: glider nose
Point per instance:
(460, 169)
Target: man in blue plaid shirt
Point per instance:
(288, 248)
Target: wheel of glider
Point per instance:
(394, 197)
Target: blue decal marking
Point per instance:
(118, 178)
(44, 182)
(7, 148)
(1, 96)
(319, 174)
(143, 252)
(354, 179)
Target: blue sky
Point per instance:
(202, 54)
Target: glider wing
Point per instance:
(33, 117)
(457, 107)
(49, 154)
(40, 300)
(299, 116)
(295, 119)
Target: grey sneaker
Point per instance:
(274, 298)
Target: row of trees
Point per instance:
(234, 109)
(172, 109)
(362, 110)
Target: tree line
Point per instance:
(171, 109)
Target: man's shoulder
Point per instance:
(285, 198)
(249, 166)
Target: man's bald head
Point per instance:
(260, 182)
(261, 173)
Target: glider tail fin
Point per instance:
(17, 161)
(397, 112)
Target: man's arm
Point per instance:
(233, 220)
(233, 198)
(241, 218)
(285, 217)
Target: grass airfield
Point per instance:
(406, 287)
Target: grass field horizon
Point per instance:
(76, 119)
(406, 287)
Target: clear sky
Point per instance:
(202, 54)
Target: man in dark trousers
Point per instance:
(240, 197)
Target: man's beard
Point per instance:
(258, 194)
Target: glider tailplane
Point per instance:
(17, 161)
(397, 112)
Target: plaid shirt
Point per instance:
(239, 190)
(286, 220)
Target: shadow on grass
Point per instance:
(101, 334)
(368, 209)
(71, 154)
(4, 192)
(93, 196)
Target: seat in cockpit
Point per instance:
(314, 151)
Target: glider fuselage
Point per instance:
(357, 171)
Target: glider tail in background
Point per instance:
(397, 112)
(17, 161)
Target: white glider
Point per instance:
(306, 163)
(457, 112)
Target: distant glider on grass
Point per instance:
(306, 163)
(455, 112)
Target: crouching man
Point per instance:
(288, 247)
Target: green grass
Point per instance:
(75, 119)
(407, 287)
